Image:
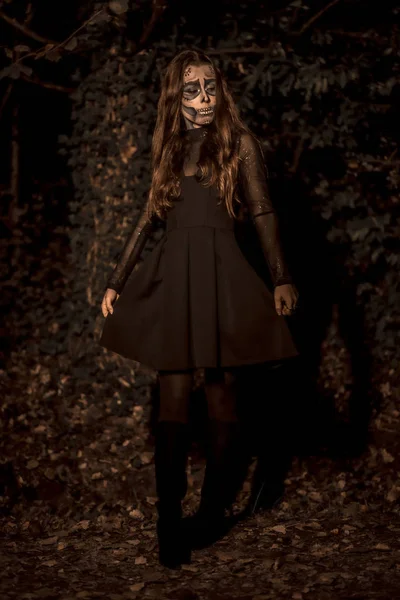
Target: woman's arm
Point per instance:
(253, 178)
(131, 251)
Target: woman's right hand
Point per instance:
(109, 298)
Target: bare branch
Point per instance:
(5, 98)
(355, 34)
(15, 155)
(315, 17)
(356, 164)
(47, 84)
(89, 20)
(25, 30)
(297, 154)
(47, 48)
(250, 50)
(159, 7)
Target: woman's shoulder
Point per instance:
(247, 142)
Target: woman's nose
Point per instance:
(205, 97)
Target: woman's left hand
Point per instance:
(285, 297)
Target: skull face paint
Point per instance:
(198, 95)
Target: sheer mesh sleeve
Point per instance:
(253, 178)
(131, 251)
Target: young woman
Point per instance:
(195, 302)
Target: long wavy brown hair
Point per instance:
(219, 160)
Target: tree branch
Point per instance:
(25, 30)
(14, 182)
(5, 98)
(89, 20)
(52, 47)
(355, 34)
(297, 154)
(355, 164)
(315, 17)
(47, 84)
(159, 7)
(250, 50)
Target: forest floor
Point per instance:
(78, 514)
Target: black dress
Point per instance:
(195, 301)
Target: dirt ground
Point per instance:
(78, 514)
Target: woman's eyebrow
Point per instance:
(191, 82)
(206, 81)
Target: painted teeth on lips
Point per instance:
(205, 111)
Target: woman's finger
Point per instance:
(106, 306)
(278, 306)
(109, 305)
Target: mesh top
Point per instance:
(253, 189)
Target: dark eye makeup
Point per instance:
(192, 89)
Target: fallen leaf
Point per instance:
(224, 556)
(327, 577)
(314, 525)
(146, 457)
(267, 563)
(315, 496)
(278, 528)
(382, 547)
(151, 500)
(48, 541)
(39, 429)
(136, 587)
(136, 514)
(49, 563)
(393, 494)
(387, 457)
(82, 524)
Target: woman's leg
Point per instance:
(170, 457)
(175, 390)
(221, 394)
(272, 430)
(223, 453)
(219, 486)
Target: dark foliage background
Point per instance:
(319, 84)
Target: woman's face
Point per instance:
(199, 95)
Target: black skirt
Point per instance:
(196, 301)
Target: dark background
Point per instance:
(318, 82)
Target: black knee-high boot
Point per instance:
(219, 487)
(274, 434)
(268, 488)
(170, 457)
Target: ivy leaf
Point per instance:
(53, 56)
(118, 6)
(101, 17)
(26, 70)
(13, 71)
(72, 44)
(22, 48)
(342, 79)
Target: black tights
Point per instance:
(220, 479)
(220, 388)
